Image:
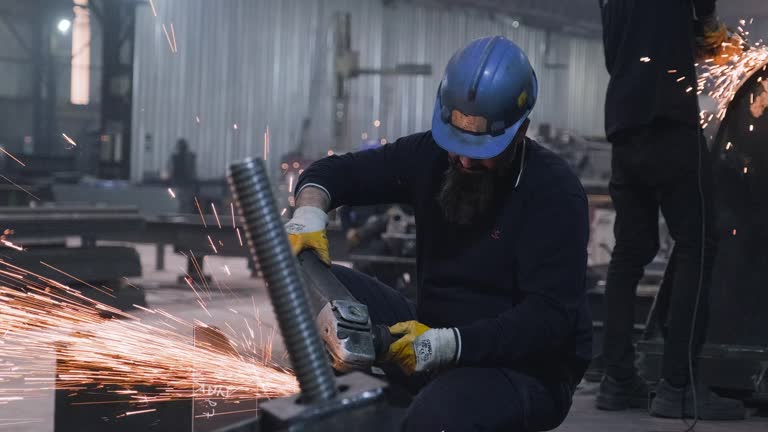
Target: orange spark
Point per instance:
(140, 412)
(216, 214)
(170, 191)
(154, 11)
(266, 143)
(212, 245)
(173, 35)
(167, 36)
(69, 140)
(11, 182)
(12, 157)
(11, 245)
(197, 204)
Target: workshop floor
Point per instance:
(243, 294)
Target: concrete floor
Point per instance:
(163, 291)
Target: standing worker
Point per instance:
(501, 329)
(660, 161)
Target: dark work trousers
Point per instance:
(462, 399)
(664, 166)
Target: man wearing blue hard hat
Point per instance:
(501, 333)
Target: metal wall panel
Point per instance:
(259, 63)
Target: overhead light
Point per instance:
(64, 25)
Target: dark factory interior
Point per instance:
(383, 215)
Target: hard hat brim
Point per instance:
(454, 140)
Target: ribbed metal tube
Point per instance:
(269, 245)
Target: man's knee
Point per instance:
(461, 400)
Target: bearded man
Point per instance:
(501, 332)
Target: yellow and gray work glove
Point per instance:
(422, 349)
(306, 230)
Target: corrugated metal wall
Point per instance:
(270, 62)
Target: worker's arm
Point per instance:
(704, 8)
(380, 176)
(552, 263)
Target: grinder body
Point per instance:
(344, 324)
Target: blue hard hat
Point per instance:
(488, 91)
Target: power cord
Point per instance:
(691, 376)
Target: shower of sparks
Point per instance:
(43, 321)
(197, 119)
(200, 210)
(232, 212)
(170, 191)
(282, 213)
(751, 128)
(12, 157)
(733, 232)
(154, 10)
(290, 184)
(12, 182)
(216, 214)
(729, 146)
(746, 170)
(722, 81)
(266, 143)
(226, 268)
(645, 59)
(239, 238)
(69, 140)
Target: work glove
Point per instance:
(422, 349)
(306, 230)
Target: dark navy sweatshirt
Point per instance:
(514, 285)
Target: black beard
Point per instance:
(466, 198)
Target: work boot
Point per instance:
(620, 395)
(676, 402)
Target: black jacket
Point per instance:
(649, 52)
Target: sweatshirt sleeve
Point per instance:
(704, 8)
(552, 263)
(378, 176)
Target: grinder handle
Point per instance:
(382, 339)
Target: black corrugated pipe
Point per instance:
(269, 245)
